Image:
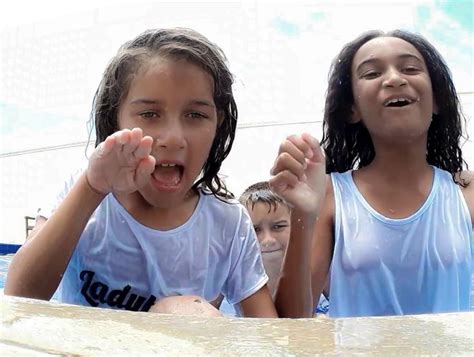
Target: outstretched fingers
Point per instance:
(132, 139)
(143, 148)
(122, 162)
(138, 149)
(131, 146)
(144, 169)
(146, 162)
(105, 147)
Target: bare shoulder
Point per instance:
(325, 224)
(466, 178)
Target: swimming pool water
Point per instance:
(4, 263)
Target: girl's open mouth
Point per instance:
(168, 175)
(399, 102)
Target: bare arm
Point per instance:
(120, 164)
(299, 177)
(37, 267)
(323, 246)
(259, 304)
(293, 296)
(306, 263)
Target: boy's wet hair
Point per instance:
(178, 43)
(261, 192)
(348, 145)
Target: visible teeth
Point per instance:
(167, 165)
(396, 100)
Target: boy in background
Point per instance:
(271, 218)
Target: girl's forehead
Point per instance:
(155, 72)
(161, 64)
(385, 47)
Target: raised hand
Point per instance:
(121, 163)
(299, 173)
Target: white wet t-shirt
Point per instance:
(418, 264)
(120, 263)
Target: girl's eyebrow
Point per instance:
(374, 60)
(202, 102)
(145, 101)
(199, 102)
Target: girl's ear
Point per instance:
(355, 117)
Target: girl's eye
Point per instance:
(411, 70)
(148, 115)
(257, 229)
(196, 115)
(370, 75)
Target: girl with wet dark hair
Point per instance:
(180, 44)
(393, 219)
(348, 145)
(149, 219)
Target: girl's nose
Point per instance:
(170, 136)
(393, 79)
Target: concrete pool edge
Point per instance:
(48, 328)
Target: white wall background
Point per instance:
(52, 54)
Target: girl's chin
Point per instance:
(159, 196)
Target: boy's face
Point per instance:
(272, 226)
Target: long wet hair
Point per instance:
(348, 145)
(178, 43)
